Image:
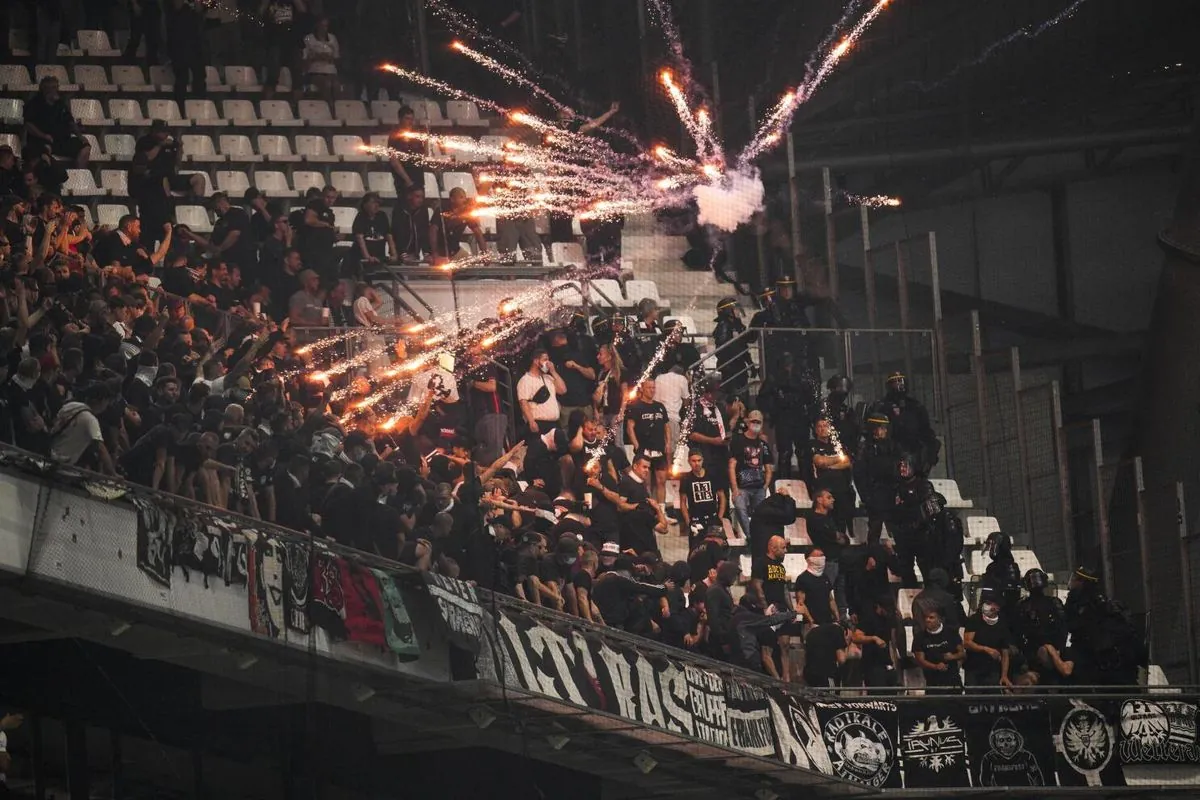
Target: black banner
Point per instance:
(1159, 732)
(933, 743)
(798, 733)
(1085, 743)
(862, 740)
(459, 607)
(750, 727)
(709, 706)
(154, 531)
(1009, 744)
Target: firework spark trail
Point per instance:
(690, 123)
(872, 200)
(443, 88)
(848, 14)
(348, 364)
(682, 448)
(512, 75)
(1024, 32)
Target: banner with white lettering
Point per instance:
(862, 740)
(459, 608)
(933, 745)
(798, 733)
(1010, 744)
(707, 702)
(750, 726)
(1159, 732)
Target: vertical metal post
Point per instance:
(1022, 449)
(794, 200)
(942, 374)
(422, 37)
(848, 355)
(902, 285)
(1102, 509)
(759, 221)
(1063, 466)
(830, 235)
(1185, 565)
(872, 307)
(981, 402)
(577, 20)
(1139, 486)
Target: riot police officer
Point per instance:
(910, 526)
(1106, 646)
(789, 308)
(838, 408)
(910, 422)
(788, 397)
(733, 361)
(876, 474)
(1002, 578)
(1040, 628)
(945, 546)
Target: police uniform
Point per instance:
(733, 362)
(910, 528)
(910, 423)
(876, 477)
(789, 397)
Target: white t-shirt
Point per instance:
(528, 386)
(75, 428)
(363, 307)
(670, 389)
(316, 47)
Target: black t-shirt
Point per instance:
(138, 461)
(316, 244)
(649, 425)
(883, 626)
(817, 591)
(823, 531)
(482, 403)
(243, 253)
(415, 171)
(820, 648)
(51, 118)
(773, 575)
(411, 230)
(935, 647)
(374, 231)
(752, 457)
(997, 636)
(637, 526)
(579, 387)
(701, 495)
(604, 515)
(163, 163)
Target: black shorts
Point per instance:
(793, 629)
(69, 147)
(657, 463)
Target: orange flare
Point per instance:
(842, 47)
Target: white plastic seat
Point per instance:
(382, 184)
(233, 182)
(637, 291)
(110, 213)
(240, 112)
(237, 147)
(567, 253)
(348, 184)
(89, 112)
(127, 112)
(429, 112)
(199, 147)
(343, 218)
(466, 113)
(278, 112)
(81, 183)
(242, 79)
(797, 489)
(431, 186)
(57, 71)
(272, 182)
(1026, 559)
(567, 292)
(314, 148)
(979, 528)
(96, 43)
(949, 489)
(202, 112)
(195, 217)
(380, 142)
(208, 188)
(167, 111)
(213, 81)
(130, 78)
(119, 146)
(12, 140)
(797, 533)
(794, 564)
(386, 111)
(977, 562)
(460, 180)
(732, 536)
(349, 148)
(606, 293)
(746, 565)
(274, 147)
(15, 78)
(162, 77)
(116, 181)
(303, 180)
(98, 153)
(12, 109)
(904, 602)
(351, 112)
(317, 113)
(495, 142)
(487, 222)
(93, 78)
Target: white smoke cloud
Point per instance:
(732, 200)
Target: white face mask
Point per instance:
(817, 565)
(755, 427)
(545, 368)
(990, 615)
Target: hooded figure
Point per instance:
(1008, 763)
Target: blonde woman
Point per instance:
(610, 388)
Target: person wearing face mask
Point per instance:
(910, 423)
(987, 641)
(750, 470)
(537, 393)
(938, 649)
(814, 593)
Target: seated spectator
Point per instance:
(938, 650)
(306, 308)
(373, 240)
(413, 226)
(50, 128)
(321, 55)
(451, 226)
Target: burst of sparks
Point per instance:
(873, 200)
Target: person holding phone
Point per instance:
(538, 392)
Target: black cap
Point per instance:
(253, 194)
(1086, 573)
(158, 125)
(785, 280)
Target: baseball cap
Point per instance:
(610, 549)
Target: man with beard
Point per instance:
(710, 432)
(701, 503)
(910, 423)
(825, 464)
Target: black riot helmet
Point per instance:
(934, 504)
(1036, 581)
(728, 307)
(906, 467)
(897, 383)
(998, 544)
(840, 385)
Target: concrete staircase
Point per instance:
(656, 256)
